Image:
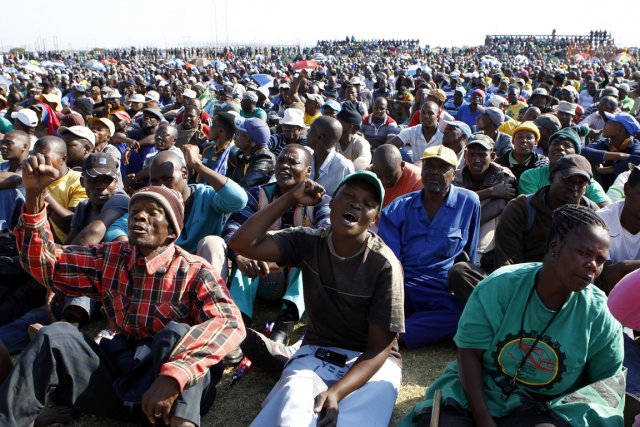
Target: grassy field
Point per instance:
(236, 407)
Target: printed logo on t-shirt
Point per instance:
(544, 365)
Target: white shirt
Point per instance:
(624, 245)
(358, 148)
(594, 121)
(585, 99)
(413, 137)
(333, 169)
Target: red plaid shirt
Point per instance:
(141, 295)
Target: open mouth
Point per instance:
(137, 229)
(350, 217)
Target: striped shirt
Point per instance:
(141, 295)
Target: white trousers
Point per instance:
(290, 403)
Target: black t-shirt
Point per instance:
(343, 296)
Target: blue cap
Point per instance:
(258, 130)
(238, 122)
(464, 128)
(333, 104)
(627, 120)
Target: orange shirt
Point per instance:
(411, 180)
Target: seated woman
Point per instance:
(347, 371)
(534, 338)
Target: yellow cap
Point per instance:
(441, 152)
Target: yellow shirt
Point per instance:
(514, 110)
(308, 119)
(68, 192)
(509, 126)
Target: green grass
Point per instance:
(239, 405)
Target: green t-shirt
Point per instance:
(534, 179)
(582, 345)
(257, 113)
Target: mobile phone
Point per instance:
(332, 357)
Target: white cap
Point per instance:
(293, 117)
(79, 131)
(152, 95)
(138, 97)
(26, 116)
(113, 93)
(189, 93)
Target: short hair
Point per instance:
(572, 217)
(307, 158)
(192, 107)
(229, 128)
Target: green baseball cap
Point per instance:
(369, 177)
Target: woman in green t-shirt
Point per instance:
(535, 338)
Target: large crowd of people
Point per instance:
(392, 195)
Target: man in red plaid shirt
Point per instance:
(172, 314)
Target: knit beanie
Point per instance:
(530, 126)
(350, 114)
(170, 200)
(569, 134)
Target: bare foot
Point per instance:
(55, 416)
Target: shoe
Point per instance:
(266, 354)
(282, 331)
(234, 356)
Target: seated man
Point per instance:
(488, 123)
(561, 143)
(206, 206)
(89, 225)
(346, 370)
(427, 231)
(253, 164)
(64, 193)
(292, 167)
(352, 145)
(166, 342)
(293, 131)
(495, 185)
(619, 147)
(220, 147)
(417, 138)
(80, 143)
(14, 149)
(524, 224)
(397, 176)
(328, 167)
(523, 157)
(378, 125)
